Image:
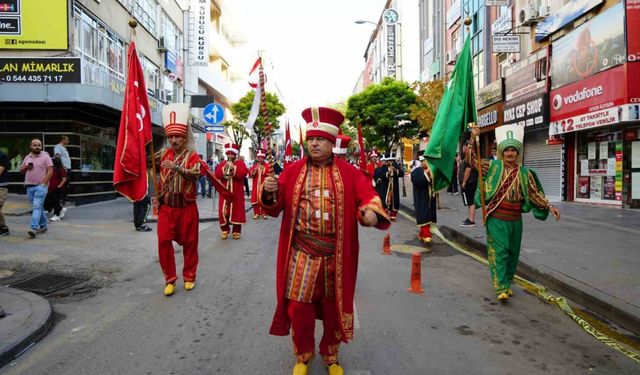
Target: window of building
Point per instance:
(478, 71)
(151, 77)
(146, 12)
(172, 34)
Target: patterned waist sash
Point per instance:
(508, 211)
(175, 200)
(316, 246)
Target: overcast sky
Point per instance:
(314, 45)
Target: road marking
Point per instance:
(356, 321)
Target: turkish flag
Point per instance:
(288, 149)
(130, 169)
(301, 144)
(363, 158)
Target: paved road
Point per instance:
(129, 327)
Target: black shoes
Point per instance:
(4, 232)
(468, 223)
(143, 228)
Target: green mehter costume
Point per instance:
(509, 190)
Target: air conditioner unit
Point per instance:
(161, 46)
(543, 11)
(451, 56)
(528, 15)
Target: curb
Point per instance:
(36, 315)
(585, 295)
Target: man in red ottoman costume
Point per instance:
(231, 212)
(258, 172)
(322, 199)
(178, 212)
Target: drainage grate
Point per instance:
(46, 283)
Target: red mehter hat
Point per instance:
(342, 143)
(322, 122)
(261, 153)
(230, 147)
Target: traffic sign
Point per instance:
(213, 113)
(214, 129)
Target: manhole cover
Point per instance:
(46, 283)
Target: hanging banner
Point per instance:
(200, 17)
(592, 47)
(527, 77)
(391, 51)
(34, 25)
(569, 12)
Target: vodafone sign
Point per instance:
(591, 102)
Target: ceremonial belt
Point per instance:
(317, 246)
(508, 211)
(175, 200)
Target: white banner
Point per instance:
(199, 24)
(595, 119)
(497, 3)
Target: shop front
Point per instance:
(490, 114)
(527, 105)
(600, 116)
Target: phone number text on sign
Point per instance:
(32, 78)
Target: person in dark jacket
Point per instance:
(424, 199)
(388, 186)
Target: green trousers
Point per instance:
(503, 250)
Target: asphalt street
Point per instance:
(128, 326)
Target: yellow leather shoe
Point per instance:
(335, 369)
(224, 235)
(264, 217)
(236, 236)
(509, 292)
(301, 368)
(255, 216)
(503, 297)
(188, 285)
(169, 289)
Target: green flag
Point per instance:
(456, 110)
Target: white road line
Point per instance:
(356, 322)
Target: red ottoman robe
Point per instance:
(236, 186)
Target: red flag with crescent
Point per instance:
(363, 158)
(130, 169)
(288, 149)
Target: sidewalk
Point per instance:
(590, 256)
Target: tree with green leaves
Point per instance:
(380, 108)
(275, 109)
(237, 131)
(427, 102)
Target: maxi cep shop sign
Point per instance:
(596, 101)
(34, 25)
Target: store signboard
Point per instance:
(502, 24)
(200, 15)
(569, 12)
(633, 31)
(527, 77)
(40, 70)
(391, 50)
(490, 116)
(489, 94)
(592, 47)
(34, 25)
(453, 14)
(496, 3)
(531, 112)
(595, 101)
(505, 44)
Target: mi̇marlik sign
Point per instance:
(40, 70)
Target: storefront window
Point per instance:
(97, 154)
(17, 146)
(599, 166)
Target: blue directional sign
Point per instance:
(213, 113)
(214, 129)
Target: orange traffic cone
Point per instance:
(154, 202)
(386, 245)
(416, 282)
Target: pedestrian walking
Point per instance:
(258, 172)
(57, 186)
(387, 179)
(509, 190)
(60, 151)
(37, 168)
(246, 178)
(178, 213)
(468, 185)
(453, 186)
(322, 199)
(424, 199)
(202, 182)
(4, 190)
(232, 173)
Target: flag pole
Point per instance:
(133, 24)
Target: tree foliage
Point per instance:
(427, 102)
(378, 108)
(242, 108)
(237, 131)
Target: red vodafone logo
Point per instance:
(557, 102)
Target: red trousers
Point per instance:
(303, 322)
(237, 228)
(258, 209)
(180, 225)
